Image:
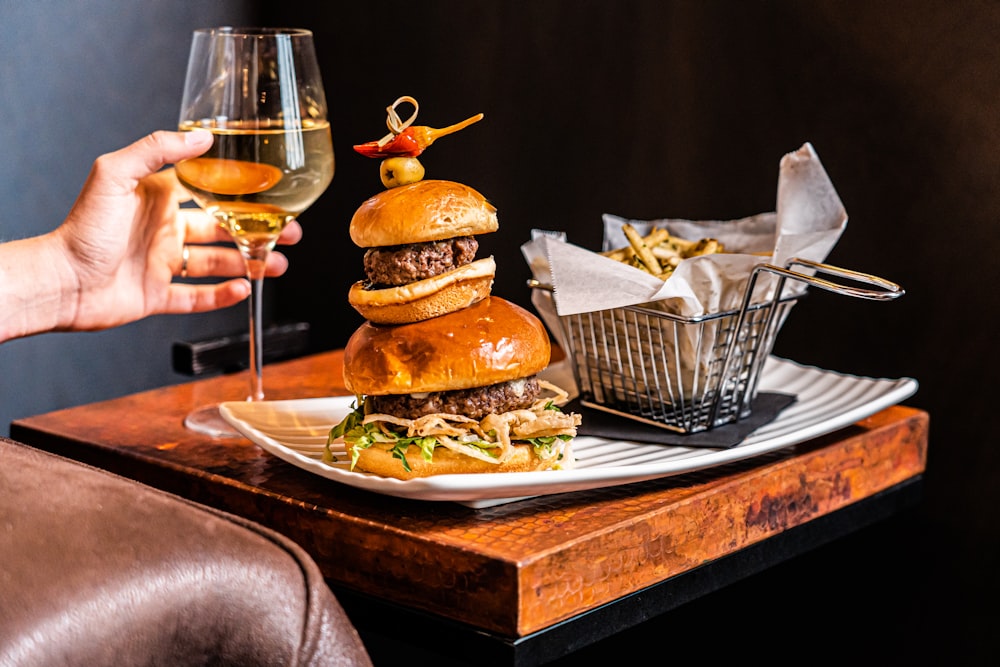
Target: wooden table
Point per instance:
(520, 583)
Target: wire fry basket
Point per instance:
(691, 374)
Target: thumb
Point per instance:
(154, 151)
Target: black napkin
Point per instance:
(603, 424)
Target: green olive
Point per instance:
(396, 171)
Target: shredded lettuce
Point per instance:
(359, 436)
(362, 436)
(543, 444)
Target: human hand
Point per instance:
(124, 240)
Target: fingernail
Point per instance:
(198, 137)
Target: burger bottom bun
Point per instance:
(446, 293)
(446, 462)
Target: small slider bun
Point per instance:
(424, 211)
(488, 342)
(424, 299)
(417, 213)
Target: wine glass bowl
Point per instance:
(259, 92)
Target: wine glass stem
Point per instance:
(255, 273)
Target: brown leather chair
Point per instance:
(99, 570)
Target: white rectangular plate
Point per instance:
(296, 431)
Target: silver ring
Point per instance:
(185, 255)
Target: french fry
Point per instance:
(666, 252)
(656, 236)
(642, 250)
(621, 254)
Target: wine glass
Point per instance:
(259, 91)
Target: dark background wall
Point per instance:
(643, 108)
(683, 109)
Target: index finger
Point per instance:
(200, 227)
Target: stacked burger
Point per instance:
(444, 372)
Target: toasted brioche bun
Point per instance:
(429, 210)
(446, 462)
(491, 341)
(424, 299)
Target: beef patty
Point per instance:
(475, 403)
(391, 266)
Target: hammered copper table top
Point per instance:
(512, 569)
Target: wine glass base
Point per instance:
(208, 421)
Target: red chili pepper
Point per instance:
(402, 144)
(412, 141)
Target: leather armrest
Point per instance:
(97, 570)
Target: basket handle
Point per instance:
(888, 290)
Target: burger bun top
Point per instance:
(427, 210)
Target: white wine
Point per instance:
(259, 92)
(256, 178)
